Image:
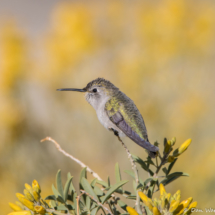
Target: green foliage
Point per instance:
(99, 195)
(96, 195)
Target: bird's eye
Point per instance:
(94, 90)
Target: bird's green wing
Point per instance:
(117, 118)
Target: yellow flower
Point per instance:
(131, 211)
(167, 146)
(25, 201)
(28, 195)
(162, 189)
(146, 200)
(182, 148)
(174, 206)
(20, 213)
(40, 209)
(36, 196)
(184, 204)
(192, 205)
(15, 207)
(156, 211)
(173, 140)
(29, 188)
(36, 186)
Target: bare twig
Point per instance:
(100, 204)
(134, 167)
(71, 157)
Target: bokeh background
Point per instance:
(160, 53)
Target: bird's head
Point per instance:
(96, 91)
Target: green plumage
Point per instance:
(119, 102)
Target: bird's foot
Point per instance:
(115, 132)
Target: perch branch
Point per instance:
(134, 167)
(71, 157)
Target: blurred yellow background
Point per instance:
(160, 53)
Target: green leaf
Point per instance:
(57, 194)
(51, 197)
(98, 191)
(83, 174)
(131, 197)
(71, 187)
(150, 179)
(62, 208)
(108, 181)
(85, 184)
(129, 172)
(59, 183)
(143, 164)
(122, 204)
(140, 161)
(94, 211)
(53, 203)
(150, 161)
(88, 201)
(127, 192)
(93, 182)
(113, 188)
(66, 188)
(165, 170)
(103, 183)
(148, 212)
(117, 173)
(75, 202)
(173, 177)
(170, 166)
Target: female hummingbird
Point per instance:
(117, 112)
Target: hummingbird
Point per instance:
(117, 112)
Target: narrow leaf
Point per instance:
(61, 208)
(98, 191)
(94, 211)
(59, 183)
(113, 188)
(66, 188)
(173, 177)
(103, 183)
(129, 172)
(51, 197)
(71, 187)
(88, 201)
(122, 204)
(57, 194)
(93, 182)
(88, 188)
(165, 170)
(170, 166)
(117, 173)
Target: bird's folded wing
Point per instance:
(119, 121)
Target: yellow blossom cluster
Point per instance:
(178, 151)
(29, 203)
(166, 204)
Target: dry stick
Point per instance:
(71, 157)
(75, 159)
(100, 204)
(134, 167)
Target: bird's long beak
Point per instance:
(72, 89)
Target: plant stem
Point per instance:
(134, 167)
